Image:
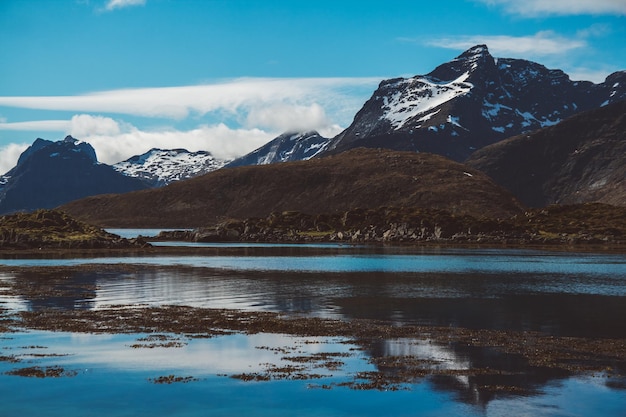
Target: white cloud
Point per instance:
(222, 141)
(257, 110)
(535, 8)
(37, 125)
(83, 125)
(542, 43)
(9, 155)
(234, 97)
(120, 4)
(115, 141)
(285, 117)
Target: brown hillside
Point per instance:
(580, 160)
(360, 178)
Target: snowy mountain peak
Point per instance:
(291, 146)
(475, 56)
(470, 102)
(163, 166)
(474, 60)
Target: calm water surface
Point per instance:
(559, 293)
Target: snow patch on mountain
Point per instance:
(418, 95)
(164, 166)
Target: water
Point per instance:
(578, 295)
(133, 233)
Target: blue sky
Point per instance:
(229, 75)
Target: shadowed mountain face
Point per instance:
(471, 102)
(49, 174)
(361, 178)
(285, 148)
(582, 159)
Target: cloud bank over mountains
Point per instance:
(256, 110)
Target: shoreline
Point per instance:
(45, 252)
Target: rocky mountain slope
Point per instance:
(350, 180)
(471, 102)
(582, 159)
(160, 167)
(49, 174)
(286, 147)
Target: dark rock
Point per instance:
(580, 160)
(49, 174)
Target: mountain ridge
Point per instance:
(470, 102)
(49, 174)
(290, 146)
(582, 159)
(341, 182)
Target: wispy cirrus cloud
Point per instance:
(120, 4)
(36, 125)
(537, 8)
(235, 97)
(542, 43)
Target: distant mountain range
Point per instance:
(463, 109)
(461, 106)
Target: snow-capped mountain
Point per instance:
(470, 102)
(49, 174)
(284, 148)
(162, 166)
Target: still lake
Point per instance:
(558, 293)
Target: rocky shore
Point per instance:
(594, 224)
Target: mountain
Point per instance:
(359, 178)
(580, 160)
(49, 174)
(161, 167)
(284, 148)
(471, 102)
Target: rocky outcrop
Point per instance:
(57, 230)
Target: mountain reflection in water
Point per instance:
(568, 296)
